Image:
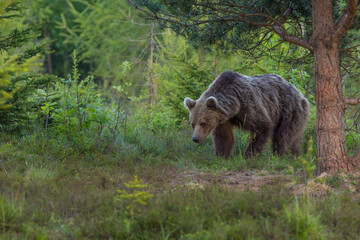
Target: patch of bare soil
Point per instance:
(236, 180)
(318, 187)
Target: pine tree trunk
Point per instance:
(330, 111)
(330, 103)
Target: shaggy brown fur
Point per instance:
(265, 105)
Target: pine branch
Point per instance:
(352, 101)
(291, 38)
(33, 51)
(10, 16)
(228, 12)
(277, 26)
(346, 19)
(349, 49)
(17, 38)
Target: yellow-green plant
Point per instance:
(307, 162)
(15, 58)
(10, 67)
(134, 196)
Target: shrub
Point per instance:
(30, 94)
(83, 116)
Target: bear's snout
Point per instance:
(195, 139)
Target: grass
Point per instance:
(53, 190)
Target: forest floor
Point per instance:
(253, 181)
(53, 191)
(171, 178)
(229, 179)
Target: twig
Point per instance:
(352, 101)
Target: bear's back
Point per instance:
(261, 98)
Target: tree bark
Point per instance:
(330, 102)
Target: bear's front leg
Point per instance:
(223, 139)
(257, 142)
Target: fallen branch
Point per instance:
(352, 101)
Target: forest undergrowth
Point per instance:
(162, 186)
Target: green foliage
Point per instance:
(308, 161)
(15, 35)
(352, 114)
(302, 223)
(49, 12)
(28, 98)
(18, 90)
(83, 116)
(12, 39)
(134, 197)
(9, 214)
(105, 36)
(8, 68)
(46, 109)
(205, 24)
(157, 119)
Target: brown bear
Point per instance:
(265, 105)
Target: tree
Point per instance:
(244, 25)
(50, 13)
(15, 56)
(20, 91)
(105, 36)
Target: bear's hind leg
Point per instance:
(288, 134)
(258, 141)
(282, 143)
(282, 137)
(279, 145)
(296, 145)
(223, 139)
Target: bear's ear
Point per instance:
(189, 103)
(212, 103)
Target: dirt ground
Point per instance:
(237, 180)
(297, 183)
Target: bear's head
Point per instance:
(205, 116)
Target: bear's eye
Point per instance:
(202, 124)
(192, 125)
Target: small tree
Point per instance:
(17, 89)
(244, 25)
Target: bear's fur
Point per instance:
(265, 105)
